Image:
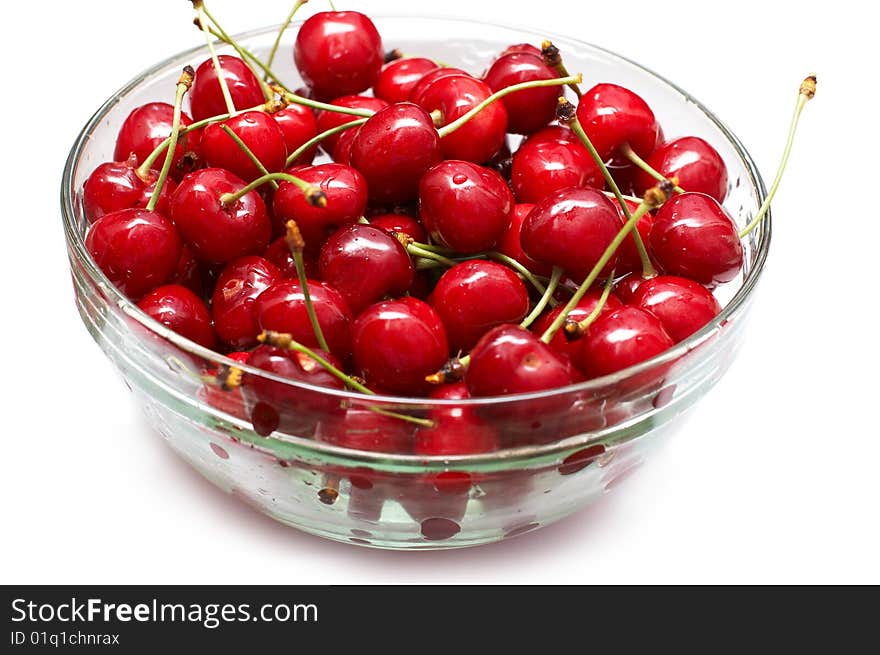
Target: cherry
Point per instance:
(476, 295)
(465, 206)
(549, 160)
(628, 259)
(206, 97)
(259, 132)
(571, 228)
(136, 249)
(693, 237)
(397, 343)
(454, 96)
(365, 263)
(526, 48)
(393, 149)
(282, 308)
(398, 77)
(429, 78)
(613, 116)
(625, 288)
(511, 246)
(402, 224)
(235, 295)
(342, 150)
(182, 311)
(217, 233)
(327, 120)
(682, 305)
(188, 273)
(148, 126)
(531, 109)
(695, 163)
(338, 53)
(298, 125)
(278, 253)
(620, 339)
(584, 308)
(116, 185)
(224, 398)
(346, 192)
(362, 429)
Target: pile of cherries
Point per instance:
(433, 261)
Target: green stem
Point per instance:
(182, 87)
(323, 106)
(416, 251)
(627, 151)
(545, 299)
(221, 34)
(332, 6)
(284, 26)
(320, 137)
(229, 198)
(227, 98)
(519, 268)
(593, 315)
(254, 159)
(307, 297)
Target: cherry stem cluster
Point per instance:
(315, 140)
(313, 194)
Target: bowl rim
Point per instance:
(760, 239)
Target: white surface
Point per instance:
(771, 479)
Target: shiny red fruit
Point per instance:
(234, 298)
(695, 163)
(531, 109)
(628, 259)
(116, 185)
(206, 96)
(298, 125)
(682, 305)
(612, 116)
(148, 126)
(259, 132)
(398, 77)
(625, 337)
(584, 308)
(428, 78)
(362, 429)
(278, 253)
(327, 120)
(401, 223)
(182, 311)
(511, 245)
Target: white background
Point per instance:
(772, 478)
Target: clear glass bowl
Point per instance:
(564, 448)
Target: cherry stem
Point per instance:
(519, 268)
(201, 16)
(806, 92)
(183, 84)
(282, 29)
(627, 151)
(254, 159)
(295, 242)
(295, 99)
(553, 58)
(320, 137)
(545, 298)
(332, 6)
(417, 251)
(654, 197)
(283, 340)
(574, 330)
(648, 270)
(313, 194)
(474, 111)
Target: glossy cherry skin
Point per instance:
(571, 228)
(346, 191)
(477, 295)
(693, 237)
(182, 311)
(612, 116)
(393, 149)
(188, 272)
(454, 96)
(282, 308)
(278, 253)
(235, 294)
(362, 429)
(682, 305)
(628, 259)
(527, 48)
(259, 132)
(397, 343)
(695, 163)
(342, 150)
(365, 263)
(551, 160)
(148, 126)
(116, 185)
(620, 339)
(216, 233)
(298, 125)
(327, 120)
(338, 53)
(529, 110)
(206, 96)
(584, 308)
(465, 206)
(398, 77)
(625, 288)
(511, 246)
(137, 250)
(429, 78)
(401, 223)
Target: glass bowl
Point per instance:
(562, 449)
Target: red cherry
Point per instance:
(511, 246)
(148, 126)
(693, 237)
(583, 309)
(465, 206)
(327, 120)
(217, 233)
(235, 295)
(342, 150)
(529, 110)
(137, 250)
(625, 337)
(226, 400)
(612, 116)
(365, 263)
(338, 53)
(298, 125)
(362, 429)
(398, 78)
(393, 149)
(527, 48)
(551, 160)
(278, 253)
(206, 96)
(695, 163)
(116, 185)
(474, 296)
(188, 273)
(346, 191)
(282, 308)
(625, 288)
(571, 228)
(402, 224)
(628, 259)
(397, 343)
(682, 305)
(182, 311)
(429, 78)
(259, 132)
